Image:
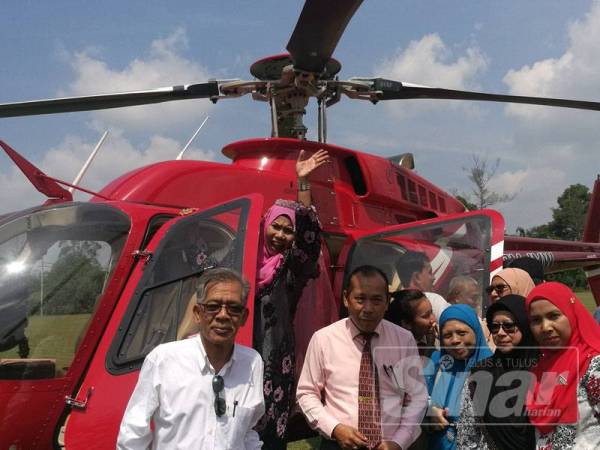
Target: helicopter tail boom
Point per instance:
(591, 233)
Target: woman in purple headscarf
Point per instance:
(287, 258)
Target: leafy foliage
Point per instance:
(75, 280)
(470, 206)
(568, 220)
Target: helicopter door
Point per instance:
(59, 266)
(461, 245)
(155, 307)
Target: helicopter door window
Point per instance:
(54, 264)
(402, 184)
(356, 175)
(423, 196)
(155, 223)
(162, 312)
(455, 248)
(412, 192)
(442, 202)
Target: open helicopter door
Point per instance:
(467, 244)
(155, 307)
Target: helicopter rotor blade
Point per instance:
(395, 90)
(209, 89)
(318, 32)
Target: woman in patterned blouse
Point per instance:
(287, 258)
(564, 404)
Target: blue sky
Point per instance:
(536, 47)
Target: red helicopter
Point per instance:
(89, 288)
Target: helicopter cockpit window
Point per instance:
(155, 224)
(457, 250)
(162, 311)
(54, 266)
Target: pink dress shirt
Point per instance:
(328, 386)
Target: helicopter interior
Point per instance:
(164, 311)
(55, 265)
(453, 248)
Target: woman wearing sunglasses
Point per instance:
(565, 401)
(510, 281)
(493, 412)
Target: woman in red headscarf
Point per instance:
(564, 404)
(287, 258)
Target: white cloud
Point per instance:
(510, 183)
(16, 192)
(574, 74)
(558, 146)
(536, 189)
(163, 66)
(430, 62)
(116, 157)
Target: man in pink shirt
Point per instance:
(361, 385)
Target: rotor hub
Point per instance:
(271, 68)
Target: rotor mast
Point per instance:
(288, 90)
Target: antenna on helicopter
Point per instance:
(86, 165)
(191, 139)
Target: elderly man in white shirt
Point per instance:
(204, 392)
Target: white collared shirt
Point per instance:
(174, 390)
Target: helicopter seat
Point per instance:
(27, 369)
(188, 326)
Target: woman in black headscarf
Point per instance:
(493, 412)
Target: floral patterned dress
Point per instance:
(275, 305)
(469, 435)
(586, 434)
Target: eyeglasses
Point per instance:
(213, 308)
(218, 385)
(508, 327)
(499, 288)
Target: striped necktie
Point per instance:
(369, 412)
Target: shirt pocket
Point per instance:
(239, 425)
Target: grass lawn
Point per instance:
(305, 444)
(587, 299)
(52, 337)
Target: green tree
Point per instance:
(568, 220)
(470, 206)
(75, 280)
